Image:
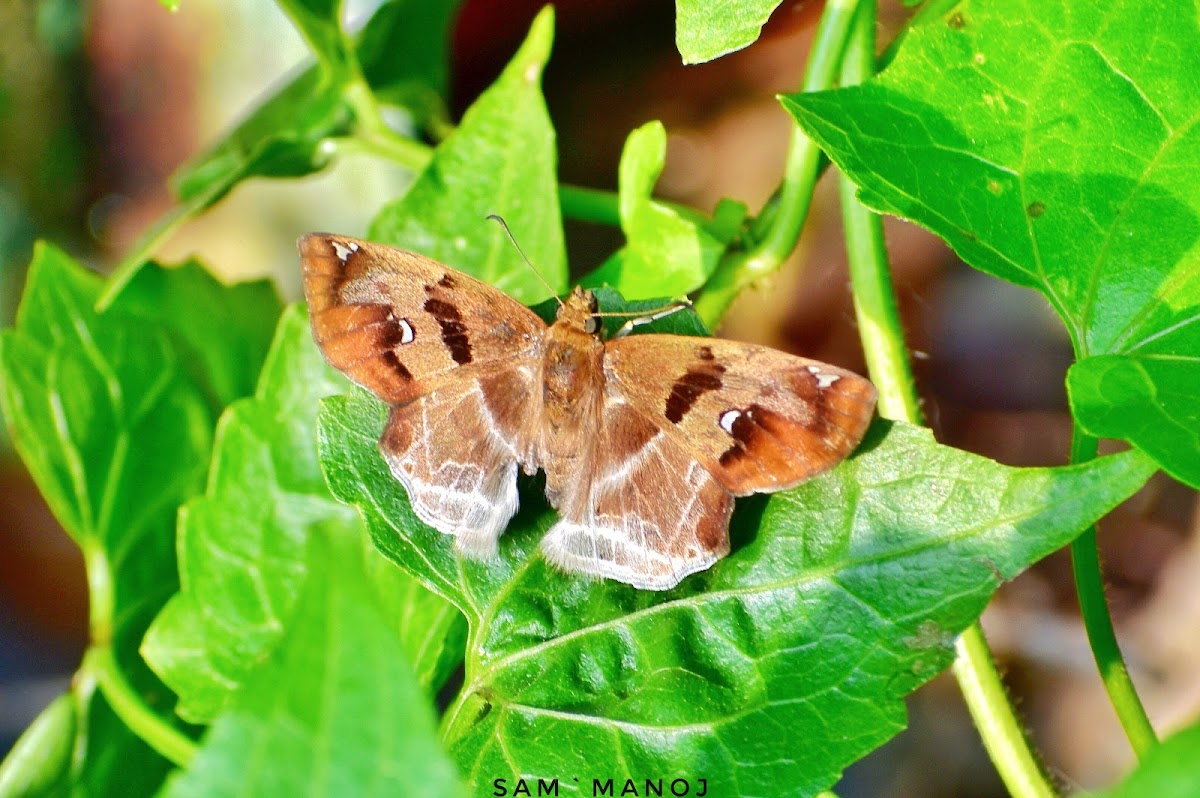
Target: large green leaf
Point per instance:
(113, 415)
(1167, 771)
(501, 160)
(335, 710)
(767, 674)
(666, 251)
(1056, 146)
(708, 29)
(244, 545)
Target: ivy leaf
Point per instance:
(1166, 771)
(501, 160)
(244, 545)
(708, 29)
(334, 711)
(666, 252)
(1057, 150)
(113, 415)
(767, 674)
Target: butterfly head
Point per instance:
(579, 311)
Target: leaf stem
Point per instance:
(589, 204)
(1002, 735)
(374, 134)
(800, 175)
(888, 364)
(1093, 607)
(100, 664)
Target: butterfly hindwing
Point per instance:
(758, 419)
(456, 450)
(653, 514)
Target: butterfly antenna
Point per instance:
(495, 217)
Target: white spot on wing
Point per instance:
(406, 331)
(728, 419)
(823, 380)
(343, 250)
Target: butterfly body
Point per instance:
(645, 439)
(572, 382)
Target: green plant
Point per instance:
(269, 638)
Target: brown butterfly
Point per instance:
(645, 440)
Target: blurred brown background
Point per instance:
(100, 103)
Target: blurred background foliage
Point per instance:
(100, 102)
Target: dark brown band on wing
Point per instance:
(782, 444)
(393, 362)
(454, 332)
(695, 382)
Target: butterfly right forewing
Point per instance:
(759, 420)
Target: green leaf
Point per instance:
(113, 428)
(404, 52)
(1166, 771)
(1057, 149)
(222, 331)
(283, 137)
(666, 252)
(1150, 401)
(403, 55)
(767, 674)
(320, 23)
(40, 761)
(708, 29)
(335, 710)
(113, 415)
(501, 160)
(290, 135)
(244, 545)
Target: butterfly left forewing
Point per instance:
(758, 419)
(401, 324)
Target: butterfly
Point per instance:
(645, 439)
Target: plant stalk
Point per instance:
(151, 728)
(888, 365)
(800, 175)
(1093, 607)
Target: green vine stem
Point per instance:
(100, 666)
(800, 175)
(374, 134)
(1089, 587)
(997, 723)
(888, 365)
(589, 204)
